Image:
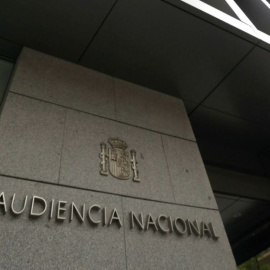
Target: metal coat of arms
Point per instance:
(119, 160)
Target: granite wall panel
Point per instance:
(57, 81)
(44, 243)
(188, 175)
(150, 249)
(31, 134)
(149, 109)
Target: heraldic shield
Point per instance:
(120, 164)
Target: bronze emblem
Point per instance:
(119, 160)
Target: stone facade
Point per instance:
(55, 117)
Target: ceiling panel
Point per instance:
(245, 93)
(221, 154)
(229, 131)
(265, 160)
(244, 216)
(162, 47)
(62, 28)
(239, 184)
(246, 223)
(9, 50)
(224, 202)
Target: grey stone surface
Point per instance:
(31, 134)
(189, 179)
(51, 79)
(81, 162)
(43, 243)
(146, 108)
(153, 250)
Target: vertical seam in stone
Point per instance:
(170, 179)
(124, 231)
(114, 93)
(62, 146)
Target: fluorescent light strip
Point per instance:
(266, 3)
(243, 23)
(221, 16)
(264, 37)
(238, 11)
(243, 17)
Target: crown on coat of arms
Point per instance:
(117, 143)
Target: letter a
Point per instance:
(3, 202)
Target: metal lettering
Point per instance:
(150, 222)
(104, 212)
(60, 208)
(51, 212)
(98, 215)
(205, 229)
(12, 205)
(80, 215)
(40, 199)
(115, 217)
(212, 231)
(171, 224)
(94, 222)
(183, 224)
(193, 227)
(159, 225)
(138, 222)
(3, 202)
